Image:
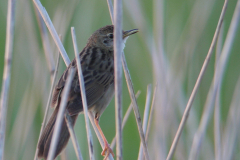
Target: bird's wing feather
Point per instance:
(96, 84)
(59, 87)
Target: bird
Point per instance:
(97, 62)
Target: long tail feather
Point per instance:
(46, 137)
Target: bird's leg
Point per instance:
(106, 145)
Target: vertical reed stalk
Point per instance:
(6, 73)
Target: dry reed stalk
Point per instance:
(6, 72)
(125, 118)
(48, 103)
(110, 7)
(46, 44)
(133, 99)
(217, 114)
(91, 118)
(60, 116)
(191, 35)
(118, 49)
(231, 130)
(73, 136)
(151, 114)
(52, 31)
(195, 89)
(145, 118)
(135, 107)
(83, 94)
(217, 79)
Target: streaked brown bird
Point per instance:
(97, 63)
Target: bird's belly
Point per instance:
(103, 102)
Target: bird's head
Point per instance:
(103, 37)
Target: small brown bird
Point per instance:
(97, 63)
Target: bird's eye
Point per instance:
(110, 35)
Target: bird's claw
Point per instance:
(107, 149)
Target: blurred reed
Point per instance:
(169, 51)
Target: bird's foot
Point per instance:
(107, 149)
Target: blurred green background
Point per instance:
(186, 28)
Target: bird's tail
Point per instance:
(46, 137)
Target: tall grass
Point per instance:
(169, 50)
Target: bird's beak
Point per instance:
(129, 32)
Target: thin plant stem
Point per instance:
(133, 98)
(231, 130)
(83, 94)
(135, 106)
(73, 136)
(52, 31)
(145, 117)
(46, 43)
(48, 103)
(151, 114)
(217, 114)
(125, 118)
(6, 72)
(91, 118)
(217, 79)
(118, 49)
(110, 7)
(60, 116)
(195, 89)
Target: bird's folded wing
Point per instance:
(96, 84)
